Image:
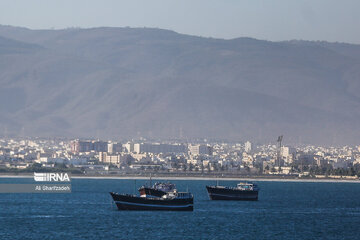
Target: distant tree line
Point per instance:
(327, 170)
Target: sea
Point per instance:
(285, 210)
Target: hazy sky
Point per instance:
(331, 20)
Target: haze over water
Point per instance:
(285, 210)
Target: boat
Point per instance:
(243, 191)
(159, 189)
(178, 201)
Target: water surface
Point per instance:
(285, 210)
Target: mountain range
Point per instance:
(121, 83)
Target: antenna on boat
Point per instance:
(150, 180)
(217, 181)
(134, 186)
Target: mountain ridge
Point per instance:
(125, 82)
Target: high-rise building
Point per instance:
(74, 145)
(129, 147)
(247, 146)
(100, 146)
(110, 147)
(288, 153)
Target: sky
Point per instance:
(274, 20)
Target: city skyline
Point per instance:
(98, 157)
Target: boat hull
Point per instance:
(130, 202)
(216, 193)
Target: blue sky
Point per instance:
(330, 20)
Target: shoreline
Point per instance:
(203, 178)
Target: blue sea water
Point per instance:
(285, 210)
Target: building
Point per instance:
(100, 146)
(247, 146)
(117, 148)
(199, 149)
(129, 147)
(247, 159)
(81, 146)
(159, 148)
(110, 147)
(288, 154)
(109, 158)
(88, 146)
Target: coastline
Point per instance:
(204, 178)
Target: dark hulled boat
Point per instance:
(243, 191)
(157, 190)
(169, 202)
